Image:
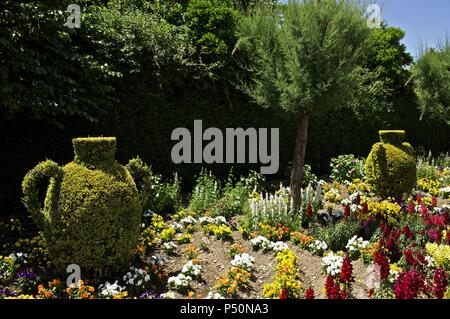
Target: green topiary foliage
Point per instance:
(391, 165)
(143, 177)
(92, 211)
(392, 137)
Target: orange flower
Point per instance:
(91, 289)
(41, 288)
(82, 287)
(56, 282)
(69, 291)
(48, 294)
(84, 295)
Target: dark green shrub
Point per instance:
(234, 199)
(337, 235)
(206, 193)
(92, 212)
(391, 165)
(165, 197)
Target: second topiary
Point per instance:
(391, 165)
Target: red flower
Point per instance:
(418, 198)
(344, 294)
(423, 208)
(284, 294)
(382, 261)
(309, 211)
(309, 294)
(347, 270)
(434, 201)
(332, 289)
(364, 208)
(411, 207)
(409, 284)
(409, 257)
(346, 211)
(357, 200)
(434, 235)
(440, 283)
(407, 232)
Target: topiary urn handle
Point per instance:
(30, 187)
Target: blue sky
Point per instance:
(425, 21)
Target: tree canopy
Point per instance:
(431, 76)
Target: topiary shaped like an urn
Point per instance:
(391, 165)
(92, 212)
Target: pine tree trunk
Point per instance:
(298, 161)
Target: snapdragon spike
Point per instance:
(309, 294)
(347, 270)
(347, 211)
(409, 284)
(332, 289)
(440, 283)
(382, 261)
(309, 211)
(434, 201)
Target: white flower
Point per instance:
(430, 261)
(346, 202)
(177, 226)
(19, 257)
(108, 290)
(170, 246)
(188, 220)
(332, 264)
(318, 246)
(356, 243)
(136, 277)
(168, 295)
(244, 261)
(219, 220)
(179, 282)
(262, 242)
(192, 270)
(157, 259)
(279, 246)
(215, 295)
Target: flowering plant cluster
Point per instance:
(136, 279)
(355, 245)
(183, 238)
(236, 279)
(318, 247)
(261, 242)
(221, 232)
(180, 282)
(192, 269)
(286, 284)
(332, 264)
(218, 220)
(274, 233)
(234, 249)
(112, 291)
(339, 277)
(170, 247)
(244, 261)
(301, 240)
(168, 234)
